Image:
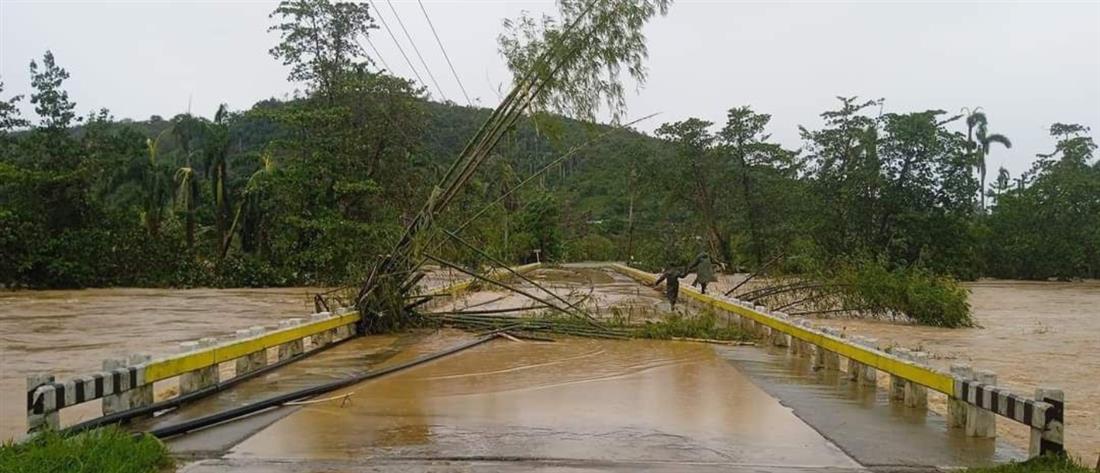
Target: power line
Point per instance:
(376, 53)
(416, 50)
(445, 56)
(394, 38)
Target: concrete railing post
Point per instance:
(142, 395)
(294, 347)
(916, 395)
(956, 408)
(980, 422)
(49, 419)
(1051, 437)
(819, 357)
(869, 376)
(252, 361)
(832, 359)
(324, 338)
(258, 358)
(117, 402)
(855, 368)
(897, 383)
(202, 377)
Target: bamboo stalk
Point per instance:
(497, 283)
(753, 275)
(525, 278)
(484, 311)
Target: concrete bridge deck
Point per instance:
(575, 405)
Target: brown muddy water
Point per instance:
(71, 332)
(1032, 334)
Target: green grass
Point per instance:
(108, 450)
(1046, 464)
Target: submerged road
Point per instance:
(575, 405)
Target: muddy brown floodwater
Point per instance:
(1031, 334)
(72, 332)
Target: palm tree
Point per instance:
(979, 142)
(155, 189)
(186, 195)
(251, 203)
(217, 148)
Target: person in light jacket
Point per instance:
(704, 272)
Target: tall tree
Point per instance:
(216, 149)
(51, 102)
(980, 141)
(753, 158)
(319, 40)
(704, 174)
(10, 119)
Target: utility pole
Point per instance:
(630, 219)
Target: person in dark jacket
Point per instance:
(704, 272)
(671, 277)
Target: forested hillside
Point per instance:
(308, 190)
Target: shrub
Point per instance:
(104, 450)
(918, 294)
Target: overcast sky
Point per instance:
(1026, 64)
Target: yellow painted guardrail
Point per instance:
(45, 397)
(881, 361)
(165, 368)
(174, 366)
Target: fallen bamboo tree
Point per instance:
(572, 67)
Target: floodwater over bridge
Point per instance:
(575, 404)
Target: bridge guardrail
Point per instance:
(973, 397)
(128, 383)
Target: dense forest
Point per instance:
(306, 190)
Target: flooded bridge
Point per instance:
(804, 397)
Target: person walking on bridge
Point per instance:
(671, 276)
(703, 268)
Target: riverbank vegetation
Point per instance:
(309, 189)
(705, 325)
(1044, 464)
(102, 450)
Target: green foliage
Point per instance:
(310, 190)
(591, 247)
(922, 296)
(705, 325)
(9, 115)
(582, 54)
(104, 450)
(319, 40)
(1043, 464)
(51, 102)
(1048, 224)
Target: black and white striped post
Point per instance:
(39, 421)
(956, 407)
(1045, 414)
(981, 420)
(1050, 438)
